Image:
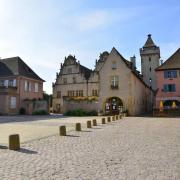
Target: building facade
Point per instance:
(168, 82)
(19, 84)
(113, 86)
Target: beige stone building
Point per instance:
(113, 86)
(73, 80)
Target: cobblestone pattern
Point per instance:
(132, 148)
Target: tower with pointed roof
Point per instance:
(150, 57)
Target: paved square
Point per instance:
(131, 148)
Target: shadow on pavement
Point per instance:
(3, 147)
(85, 131)
(26, 118)
(26, 151)
(72, 136)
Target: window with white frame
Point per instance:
(29, 86)
(12, 82)
(1, 83)
(26, 85)
(114, 81)
(114, 66)
(6, 83)
(13, 102)
(36, 87)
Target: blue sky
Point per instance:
(43, 32)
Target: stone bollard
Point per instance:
(62, 130)
(78, 126)
(14, 142)
(124, 114)
(113, 118)
(109, 119)
(88, 124)
(103, 121)
(94, 122)
(117, 117)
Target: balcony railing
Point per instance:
(7, 90)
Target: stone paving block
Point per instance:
(103, 121)
(78, 126)
(62, 130)
(89, 124)
(109, 119)
(14, 142)
(94, 121)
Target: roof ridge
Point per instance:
(169, 59)
(149, 42)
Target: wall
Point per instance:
(85, 105)
(32, 106)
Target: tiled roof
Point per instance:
(149, 42)
(173, 62)
(16, 66)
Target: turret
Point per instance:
(150, 57)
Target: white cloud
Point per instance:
(100, 18)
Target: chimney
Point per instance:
(161, 62)
(133, 61)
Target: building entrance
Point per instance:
(113, 105)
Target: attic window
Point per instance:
(114, 65)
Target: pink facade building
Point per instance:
(19, 85)
(168, 83)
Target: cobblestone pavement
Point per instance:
(132, 148)
(33, 127)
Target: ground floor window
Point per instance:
(13, 102)
(171, 104)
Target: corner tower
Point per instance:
(150, 56)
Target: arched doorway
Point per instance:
(113, 105)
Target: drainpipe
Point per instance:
(87, 88)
